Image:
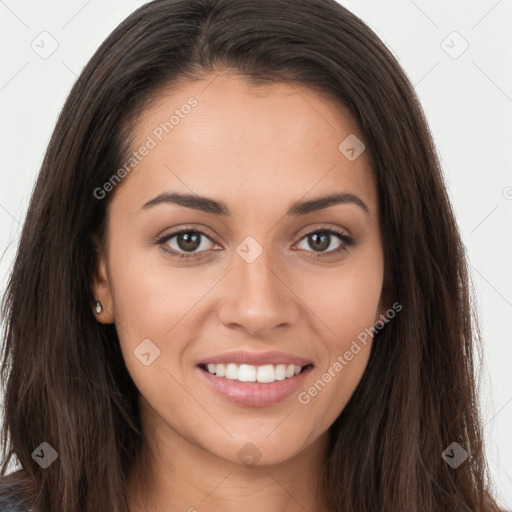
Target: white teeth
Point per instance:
(231, 371)
(265, 373)
(250, 373)
(247, 373)
(218, 369)
(280, 372)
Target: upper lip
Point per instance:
(256, 358)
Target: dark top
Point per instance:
(8, 503)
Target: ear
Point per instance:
(101, 287)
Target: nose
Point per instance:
(257, 298)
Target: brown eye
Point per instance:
(188, 241)
(320, 241)
(323, 241)
(185, 241)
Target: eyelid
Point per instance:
(187, 228)
(322, 227)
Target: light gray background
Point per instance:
(467, 99)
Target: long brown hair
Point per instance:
(64, 378)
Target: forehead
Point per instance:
(221, 134)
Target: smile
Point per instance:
(250, 373)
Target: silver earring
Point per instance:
(99, 307)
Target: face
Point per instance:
(246, 281)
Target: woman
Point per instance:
(240, 283)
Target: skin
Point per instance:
(258, 149)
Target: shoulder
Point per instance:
(10, 495)
(9, 504)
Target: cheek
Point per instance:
(350, 304)
(347, 305)
(346, 300)
(347, 308)
(150, 295)
(157, 301)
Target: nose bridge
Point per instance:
(257, 298)
(259, 278)
(254, 269)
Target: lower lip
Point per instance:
(255, 394)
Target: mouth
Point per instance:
(254, 386)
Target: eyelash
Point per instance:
(347, 241)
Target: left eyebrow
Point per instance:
(212, 206)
